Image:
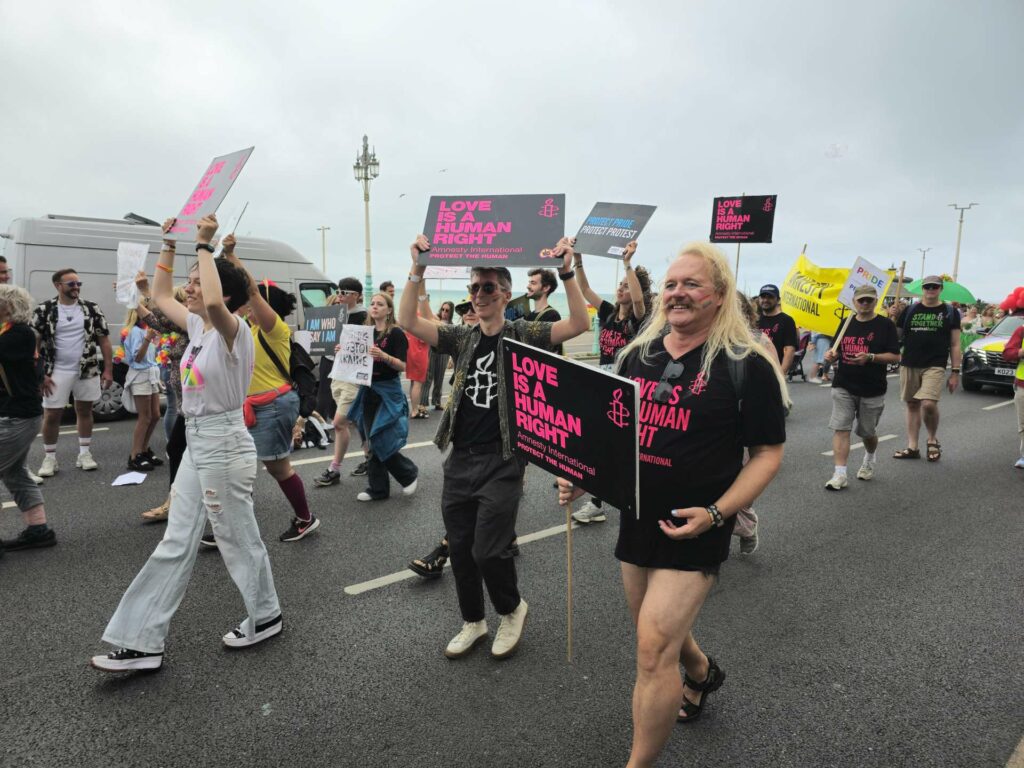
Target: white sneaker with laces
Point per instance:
(472, 633)
(589, 513)
(837, 482)
(506, 640)
(86, 461)
(866, 471)
(49, 467)
(237, 639)
(410, 489)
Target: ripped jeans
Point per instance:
(215, 482)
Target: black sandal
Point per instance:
(688, 711)
(431, 566)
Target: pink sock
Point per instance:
(295, 492)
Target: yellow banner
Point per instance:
(810, 295)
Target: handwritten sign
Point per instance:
(590, 439)
(131, 258)
(497, 230)
(747, 219)
(210, 192)
(352, 362)
(324, 326)
(864, 272)
(610, 226)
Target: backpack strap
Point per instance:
(738, 376)
(276, 360)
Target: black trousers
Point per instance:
(176, 446)
(479, 504)
(399, 465)
(325, 404)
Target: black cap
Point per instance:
(771, 289)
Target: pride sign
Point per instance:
(210, 192)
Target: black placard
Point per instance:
(324, 326)
(747, 219)
(575, 421)
(610, 226)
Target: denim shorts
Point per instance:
(272, 431)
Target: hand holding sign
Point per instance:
(567, 492)
(206, 228)
(627, 254)
(419, 245)
(564, 249)
(167, 226)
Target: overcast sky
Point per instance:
(867, 119)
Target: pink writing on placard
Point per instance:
(210, 192)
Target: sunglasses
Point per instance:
(462, 309)
(348, 293)
(866, 300)
(74, 284)
(931, 287)
(664, 389)
(487, 288)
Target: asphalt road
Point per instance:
(880, 626)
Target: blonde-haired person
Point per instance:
(142, 389)
(688, 362)
(21, 413)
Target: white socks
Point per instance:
(869, 458)
(83, 445)
(841, 471)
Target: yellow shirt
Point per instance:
(265, 375)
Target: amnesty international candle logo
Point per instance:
(483, 384)
(549, 210)
(699, 384)
(618, 413)
(768, 205)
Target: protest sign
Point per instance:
(611, 226)
(131, 258)
(324, 324)
(210, 192)
(446, 273)
(497, 230)
(575, 421)
(352, 362)
(865, 273)
(745, 219)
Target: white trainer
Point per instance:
(35, 478)
(589, 513)
(472, 633)
(410, 489)
(364, 496)
(1020, 463)
(236, 638)
(86, 461)
(837, 482)
(866, 471)
(49, 467)
(506, 640)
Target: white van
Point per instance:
(36, 248)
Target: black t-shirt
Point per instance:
(876, 336)
(356, 318)
(547, 315)
(615, 333)
(691, 451)
(393, 343)
(781, 330)
(927, 338)
(476, 422)
(18, 358)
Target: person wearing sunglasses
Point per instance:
(707, 389)
(483, 478)
(73, 333)
(930, 332)
(868, 345)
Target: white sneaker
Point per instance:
(364, 496)
(86, 461)
(1020, 463)
(472, 633)
(815, 380)
(127, 660)
(410, 489)
(589, 513)
(837, 482)
(237, 639)
(866, 471)
(506, 640)
(49, 467)
(35, 478)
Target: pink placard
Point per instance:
(210, 192)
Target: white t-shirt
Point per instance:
(214, 380)
(70, 337)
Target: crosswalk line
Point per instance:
(997, 405)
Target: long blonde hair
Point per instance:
(730, 332)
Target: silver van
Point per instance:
(36, 248)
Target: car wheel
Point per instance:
(108, 407)
(970, 385)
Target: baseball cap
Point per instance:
(463, 307)
(771, 289)
(865, 290)
(936, 279)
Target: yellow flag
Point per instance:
(810, 295)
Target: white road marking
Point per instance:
(882, 439)
(353, 454)
(1017, 758)
(394, 578)
(9, 504)
(891, 375)
(75, 431)
(997, 405)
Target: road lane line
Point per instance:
(9, 504)
(353, 454)
(997, 405)
(394, 578)
(882, 439)
(1017, 758)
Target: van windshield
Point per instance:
(315, 295)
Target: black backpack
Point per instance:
(300, 374)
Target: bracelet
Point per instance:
(165, 268)
(415, 278)
(566, 276)
(954, 370)
(627, 267)
(424, 298)
(204, 247)
(871, 357)
(716, 516)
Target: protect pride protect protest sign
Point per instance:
(864, 272)
(611, 226)
(210, 192)
(575, 421)
(746, 219)
(500, 230)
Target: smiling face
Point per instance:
(534, 287)
(69, 287)
(689, 296)
(768, 302)
(488, 297)
(194, 294)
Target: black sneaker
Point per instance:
(329, 477)
(209, 541)
(360, 470)
(127, 660)
(29, 539)
(155, 460)
(300, 528)
(237, 639)
(140, 463)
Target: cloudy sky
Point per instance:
(867, 119)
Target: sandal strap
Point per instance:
(690, 708)
(711, 679)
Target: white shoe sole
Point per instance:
(410, 489)
(105, 664)
(244, 642)
(515, 646)
(458, 654)
(587, 519)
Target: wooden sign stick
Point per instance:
(842, 331)
(899, 285)
(568, 600)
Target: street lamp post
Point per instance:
(323, 248)
(923, 252)
(366, 169)
(959, 233)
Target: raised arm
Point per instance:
(578, 320)
(220, 316)
(265, 316)
(408, 314)
(163, 286)
(636, 293)
(588, 293)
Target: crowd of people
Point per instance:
(223, 348)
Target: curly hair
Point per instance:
(282, 302)
(17, 303)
